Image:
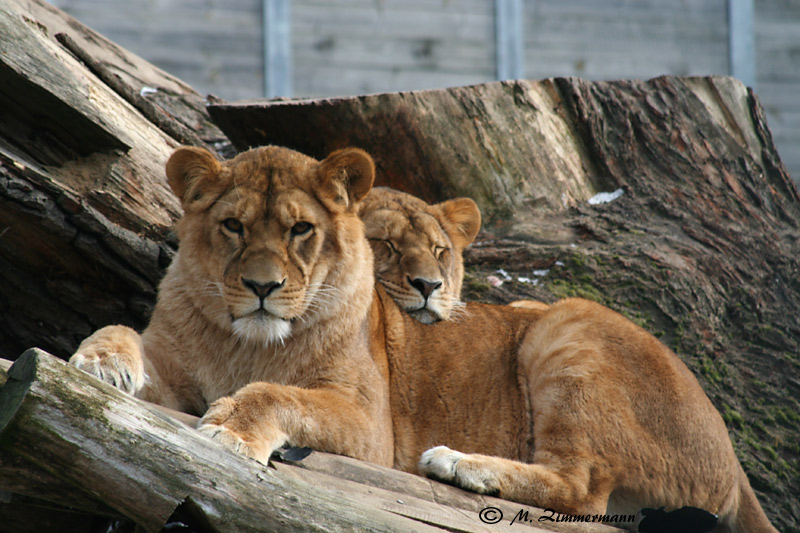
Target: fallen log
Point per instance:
(145, 465)
(105, 453)
(531, 148)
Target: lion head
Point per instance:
(270, 238)
(418, 249)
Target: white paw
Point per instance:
(114, 369)
(459, 469)
(440, 463)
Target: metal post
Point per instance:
(277, 32)
(509, 39)
(741, 41)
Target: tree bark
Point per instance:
(145, 465)
(527, 148)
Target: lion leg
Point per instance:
(261, 417)
(564, 488)
(113, 354)
(530, 304)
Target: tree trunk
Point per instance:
(103, 452)
(701, 248)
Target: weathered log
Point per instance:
(33, 500)
(96, 444)
(702, 248)
(145, 465)
(519, 148)
(154, 113)
(493, 143)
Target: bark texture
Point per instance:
(85, 211)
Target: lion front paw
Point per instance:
(458, 469)
(114, 355)
(228, 424)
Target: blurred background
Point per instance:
(243, 49)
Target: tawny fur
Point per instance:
(571, 407)
(620, 422)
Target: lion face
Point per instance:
(418, 250)
(264, 235)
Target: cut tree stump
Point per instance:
(110, 454)
(525, 148)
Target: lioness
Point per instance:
(268, 299)
(418, 249)
(573, 408)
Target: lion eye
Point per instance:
(439, 250)
(233, 225)
(390, 244)
(301, 228)
(387, 242)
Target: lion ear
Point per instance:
(192, 176)
(345, 177)
(464, 217)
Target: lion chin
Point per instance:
(262, 328)
(425, 315)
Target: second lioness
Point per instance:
(419, 249)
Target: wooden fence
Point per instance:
(319, 48)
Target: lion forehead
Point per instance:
(269, 166)
(411, 229)
(422, 225)
(242, 202)
(287, 205)
(381, 223)
(292, 205)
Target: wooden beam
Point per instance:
(741, 41)
(509, 39)
(69, 441)
(145, 465)
(277, 33)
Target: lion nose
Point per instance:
(424, 286)
(262, 290)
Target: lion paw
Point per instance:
(458, 469)
(240, 434)
(226, 437)
(114, 355)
